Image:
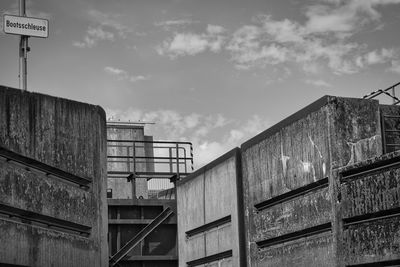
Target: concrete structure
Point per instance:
(289, 183)
(319, 189)
(136, 165)
(120, 187)
(210, 219)
(53, 209)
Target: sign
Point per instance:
(26, 26)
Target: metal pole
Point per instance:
(394, 94)
(177, 162)
(23, 52)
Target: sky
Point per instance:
(216, 72)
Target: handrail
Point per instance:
(165, 153)
(152, 142)
(385, 91)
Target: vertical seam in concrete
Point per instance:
(204, 211)
(333, 194)
(240, 209)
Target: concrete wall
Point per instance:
(290, 215)
(367, 204)
(317, 191)
(121, 188)
(203, 198)
(64, 135)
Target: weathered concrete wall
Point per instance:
(204, 197)
(120, 187)
(288, 184)
(369, 211)
(66, 135)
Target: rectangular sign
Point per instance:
(26, 26)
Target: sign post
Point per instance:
(25, 27)
(23, 52)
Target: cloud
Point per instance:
(124, 75)
(104, 27)
(247, 49)
(324, 41)
(191, 43)
(271, 42)
(395, 66)
(171, 124)
(93, 36)
(173, 24)
(110, 21)
(211, 135)
(318, 83)
(344, 17)
(375, 57)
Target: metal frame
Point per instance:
(384, 131)
(178, 161)
(385, 92)
(165, 214)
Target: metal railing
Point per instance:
(390, 92)
(149, 159)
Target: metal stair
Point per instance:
(131, 244)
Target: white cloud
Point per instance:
(115, 71)
(395, 66)
(124, 75)
(323, 41)
(191, 43)
(103, 27)
(215, 29)
(343, 16)
(318, 83)
(138, 78)
(375, 57)
(172, 24)
(93, 35)
(109, 21)
(271, 42)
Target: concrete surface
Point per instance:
(67, 135)
(207, 195)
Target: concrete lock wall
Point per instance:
(317, 191)
(209, 215)
(368, 212)
(46, 220)
(288, 181)
(366, 195)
